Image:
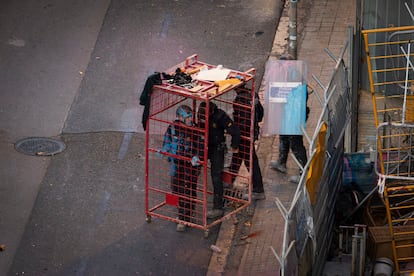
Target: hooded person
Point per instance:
(184, 149)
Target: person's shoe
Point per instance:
(227, 185)
(180, 227)
(255, 196)
(278, 166)
(258, 196)
(214, 213)
(294, 178)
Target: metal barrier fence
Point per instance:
(389, 62)
(309, 220)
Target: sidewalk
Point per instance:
(321, 24)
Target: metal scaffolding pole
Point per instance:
(292, 46)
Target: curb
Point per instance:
(218, 260)
(227, 231)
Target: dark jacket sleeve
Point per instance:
(167, 141)
(145, 98)
(242, 112)
(231, 129)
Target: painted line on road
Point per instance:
(90, 233)
(82, 267)
(101, 211)
(165, 25)
(123, 149)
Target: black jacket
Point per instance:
(219, 123)
(145, 98)
(242, 113)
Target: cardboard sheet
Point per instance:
(215, 74)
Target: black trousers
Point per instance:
(216, 156)
(294, 143)
(184, 184)
(244, 155)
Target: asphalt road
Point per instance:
(74, 70)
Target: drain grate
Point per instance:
(39, 146)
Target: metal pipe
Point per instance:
(362, 251)
(341, 235)
(354, 251)
(292, 46)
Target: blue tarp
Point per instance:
(359, 170)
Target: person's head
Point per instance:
(242, 89)
(201, 114)
(185, 114)
(286, 57)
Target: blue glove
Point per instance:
(195, 161)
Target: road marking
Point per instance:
(82, 267)
(123, 149)
(102, 208)
(16, 42)
(165, 25)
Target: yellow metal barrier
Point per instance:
(390, 69)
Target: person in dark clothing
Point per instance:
(183, 145)
(219, 123)
(295, 143)
(242, 106)
(291, 142)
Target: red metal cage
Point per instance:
(175, 189)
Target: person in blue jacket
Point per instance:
(181, 142)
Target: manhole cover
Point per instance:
(39, 146)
